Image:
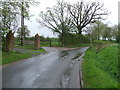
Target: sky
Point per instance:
(35, 27)
(119, 12)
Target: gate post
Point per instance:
(10, 41)
(37, 41)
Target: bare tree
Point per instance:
(57, 19)
(86, 13)
(24, 9)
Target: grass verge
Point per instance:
(9, 57)
(30, 47)
(78, 45)
(100, 70)
(13, 56)
(0, 58)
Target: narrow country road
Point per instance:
(58, 69)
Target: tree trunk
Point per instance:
(3, 43)
(22, 25)
(62, 40)
(79, 30)
(98, 37)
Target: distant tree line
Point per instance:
(101, 31)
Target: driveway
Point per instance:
(58, 69)
(54, 49)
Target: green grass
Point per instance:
(16, 42)
(9, 57)
(78, 45)
(44, 44)
(30, 47)
(102, 42)
(13, 56)
(0, 58)
(101, 70)
(55, 44)
(47, 44)
(41, 50)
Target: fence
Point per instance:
(42, 43)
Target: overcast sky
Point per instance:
(34, 26)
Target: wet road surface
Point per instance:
(52, 70)
(53, 49)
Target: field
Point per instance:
(47, 44)
(100, 70)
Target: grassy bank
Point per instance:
(100, 70)
(0, 58)
(78, 45)
(13, 56)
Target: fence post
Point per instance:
(50, 43)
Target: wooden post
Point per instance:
(50, 43)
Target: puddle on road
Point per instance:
(77, 56)
(63, 54)
(65, 79)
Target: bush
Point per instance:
(100, 44)
(73, 39)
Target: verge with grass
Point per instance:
(100, 70)
(78, 45)
(30, 47)
(9, 57)
(14, 56)
(0, 58)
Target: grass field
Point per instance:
(13, 56)
(47, 44)
(100, 70)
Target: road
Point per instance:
(58, 69)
